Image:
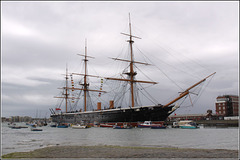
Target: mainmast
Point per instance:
(131, 73)
(85, 85)
(85, 75)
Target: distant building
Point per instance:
(4, 119)
(20, 119)
(195, 117)
(227, 105)
(15, 118)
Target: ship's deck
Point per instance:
(107, 110)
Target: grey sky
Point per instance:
(39, 38)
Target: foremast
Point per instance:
(85, 75)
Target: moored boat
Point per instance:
(123, 126)
(149, 124)
(146, 124)
(175, 125)
(32, 125)
(158, 126)
(53, 125)
(78, 126)
(36, 129)
(15, 127)
(187, 124)
(62, 125)
(106, 125)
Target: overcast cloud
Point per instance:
(187, 40)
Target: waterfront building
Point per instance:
(227, 105)
(4, 119)
(18, 119)
(195, 117)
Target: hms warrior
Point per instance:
(130, 113)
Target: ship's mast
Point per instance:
(85, 75)
(66, 93)
(85, 85)
(66, 90)
(131, 73)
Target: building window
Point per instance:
(223, 107)
(220, 112)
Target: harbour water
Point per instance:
(19, 140)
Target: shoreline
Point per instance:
(107, 151)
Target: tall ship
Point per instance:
(132, 113)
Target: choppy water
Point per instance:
(18, 140)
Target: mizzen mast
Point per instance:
(66, 94)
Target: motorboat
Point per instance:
(187, 124)
(149, 124)
(146, 124)
(62, 125)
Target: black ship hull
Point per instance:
(136, 114)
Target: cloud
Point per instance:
(28, 77)
(185, 40)
(16, 29)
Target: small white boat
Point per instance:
(146, 124)
(78, 126)
(149, 124)
(187, 124)
(175, 125)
